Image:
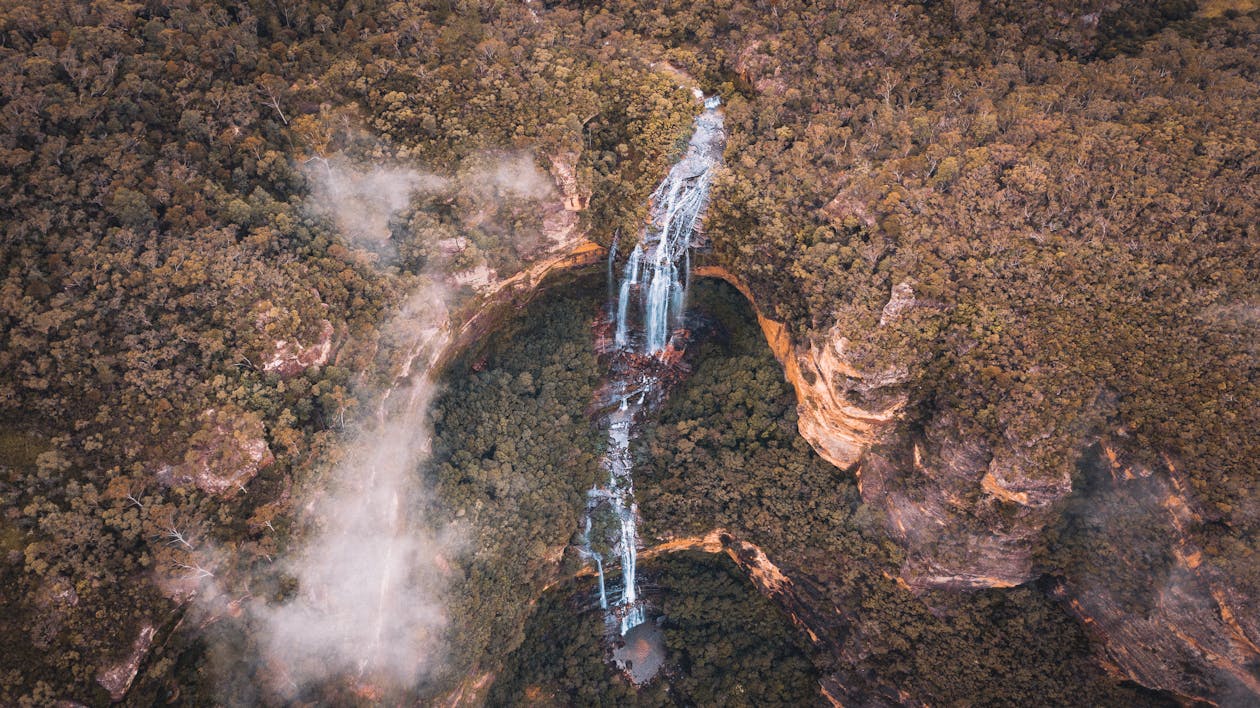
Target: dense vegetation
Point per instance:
(1071, 187)
(725, 454)
(513, 456)
(157, 243)
(726, 645)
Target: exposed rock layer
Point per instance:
(970, 515)
(823, 377)
(228, 451)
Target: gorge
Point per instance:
(357, 353)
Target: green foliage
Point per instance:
(513, 456)
(725, 645)
(1069, 200)
(562, 658)
(731, 645)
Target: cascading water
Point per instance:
(628, 283)
(677, 204)
(650, 302)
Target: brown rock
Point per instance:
(226, 453)
(1164, 614)
(574, 196)
(116, 678)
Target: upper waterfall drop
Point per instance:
(658, 271)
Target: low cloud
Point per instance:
(513, 174)
(361, 201)
(371, 570)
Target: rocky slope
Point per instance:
(973, 515)
(1165, 613)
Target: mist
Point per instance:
(361, 201)
(512, 174)
(370, 570)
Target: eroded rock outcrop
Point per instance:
(228, 451)
(290, 358)
(116, 678)
(968, 513)
(972, 512)
(575, 196)
(827, 383)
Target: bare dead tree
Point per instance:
(195, 570)
(175, 537)
(269, 87)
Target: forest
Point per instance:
(158, 243)
(727, 645)
(190, 330)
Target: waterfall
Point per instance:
(677, 204)
(603, 593)
(651, 300)
(628, 281)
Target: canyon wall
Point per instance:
(826, 383)
(971, 515)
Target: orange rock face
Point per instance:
(839, 430)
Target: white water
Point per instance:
(628, 283)
(650, 305)
(677, 205)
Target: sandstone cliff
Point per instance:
(1165, 613)
(973, 514)
(827, 382)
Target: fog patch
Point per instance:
(370, 570)
(514, 175)
(361, 200)
(400, 214)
